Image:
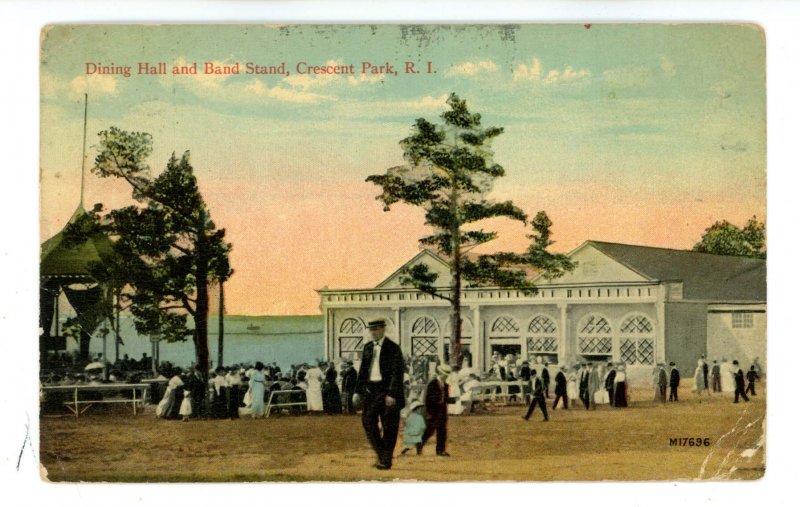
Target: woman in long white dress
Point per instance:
(314, 378)
(726, 377)
(165, 406)
(699, 379)
(572, 386)
(257, 384)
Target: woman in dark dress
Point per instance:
(331, 396)
(620, 388)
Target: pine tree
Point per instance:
(450, 171)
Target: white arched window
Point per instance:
(505, 327)
(542, 335)
(425, 337)
(595, 336)
(637, 340)
(351, 338)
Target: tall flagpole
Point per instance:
(83, 158)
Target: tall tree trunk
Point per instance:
(201, 305)
(221, 335)
(455, 280)
(455, 318)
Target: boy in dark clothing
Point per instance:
(674, 382)
(752, 376)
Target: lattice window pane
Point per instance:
(542, 325)
(505, 325)
(542, 344)
(595, 324)
(594, 345)
(425, 326)
(424, 346)
(741, 320)
(351, 326)
(646, 351)
(351, 343)
(637, 324)
(627, 351)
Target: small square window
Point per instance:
(742, 320)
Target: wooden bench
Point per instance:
(271, 404)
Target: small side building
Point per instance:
(624, 303)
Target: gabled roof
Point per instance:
(704, 276)
(72, 262)
(425, 252)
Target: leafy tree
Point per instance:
(724, 238)
(450, 171)
(167, 250)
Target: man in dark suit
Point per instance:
(525, 371)
(738, 378)
(705, 372)
(609, 383)
(380, 384)
(525, 376)
(349, 377)
(752, 376)
(561, 389)
(197, 387)
(436, 398)
(546, 380)
(716, 385)
(538, 397)
(674, 382)
(583, 385)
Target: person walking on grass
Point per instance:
(537, 399)
(436, 398)
(414, 429)
(380, 383)
(738, 378)
(561, 389)
(674, 382)
(716, 384)
(752, 376)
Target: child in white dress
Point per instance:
(186, 405)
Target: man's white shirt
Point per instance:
(375, 368)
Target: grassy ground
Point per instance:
(497, 445)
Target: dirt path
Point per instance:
(606, 444)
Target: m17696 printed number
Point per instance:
(689, 442)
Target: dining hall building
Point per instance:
(623, 303)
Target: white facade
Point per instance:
(602, 311)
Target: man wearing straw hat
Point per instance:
(436, 398)
(380, 383)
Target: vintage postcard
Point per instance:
(403, 252)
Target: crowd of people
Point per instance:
(717, 377)
(384, 386)
(245, 390)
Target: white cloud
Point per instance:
(472, 68)
(536, 73)
(530, 73)
(426, 102)
(258, 88)
(221, 87)
(568, 75)
(93, 84)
